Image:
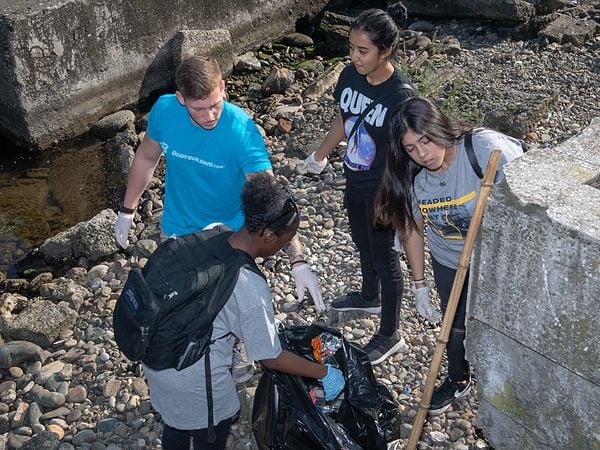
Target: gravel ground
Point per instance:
(551, 89)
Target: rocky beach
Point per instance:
(63, 382)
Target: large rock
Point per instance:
(520, 116)
(93, 240)
(15, 353)
(534, 333)
(56, 79)
(160, 75)
(67, 290)
(332, 34)
(41, 323)
(500, 10)
(565, 29)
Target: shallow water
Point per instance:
(45, 193)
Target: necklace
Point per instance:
(444, 179)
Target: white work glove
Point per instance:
(122, 227)
(312, 166)
(305, 279)
(424, 306)
(219, 225)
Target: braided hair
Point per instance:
(267, 204)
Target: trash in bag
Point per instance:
(324, 346)
(289, 412)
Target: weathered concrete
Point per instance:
(534, 333)
(67, 63)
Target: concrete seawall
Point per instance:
(67, 63)
(534, 329)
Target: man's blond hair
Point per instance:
(197, 76)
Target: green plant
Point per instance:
(438, 80)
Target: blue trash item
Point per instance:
(284, 416)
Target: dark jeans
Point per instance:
(458, 366)
(174, 439)
(380, 268)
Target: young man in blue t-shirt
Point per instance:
(211, 147)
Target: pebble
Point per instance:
(77, 394)
(59, 431)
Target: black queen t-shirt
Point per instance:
(364, 161)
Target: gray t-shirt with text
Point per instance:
(180, 396)
(446, 200)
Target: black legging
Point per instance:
(174, 439)
(458, 366)
(378, 261)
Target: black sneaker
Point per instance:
(354, 301)
(447, 392)
(380, 346)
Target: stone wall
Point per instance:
(67, 63)
(534, 319)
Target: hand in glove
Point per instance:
(333, 382)
(305, 279)
(424, 306)
(122, 227)
(312, 166)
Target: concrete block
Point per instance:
(538, 272)
(159, 78)
(534, 329)
(527, 400)
(65, 64)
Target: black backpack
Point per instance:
(164, 315)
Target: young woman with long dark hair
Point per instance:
(430, 182)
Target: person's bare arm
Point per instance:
(333, 137)
(145, 161)
(295, 365)
(251, 174)
(414, 246)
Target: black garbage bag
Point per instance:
(284, 416)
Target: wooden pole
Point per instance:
(459, 279)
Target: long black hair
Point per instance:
(383, 27)
(268, 205)
(393, 206)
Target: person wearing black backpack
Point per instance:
(210, 147)
(368, 90)
(433, 178)
(180, 396)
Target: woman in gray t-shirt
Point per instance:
(430, 182)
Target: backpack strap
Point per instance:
(368, 109)
(211, 436)
(246, 261)
(471, 155)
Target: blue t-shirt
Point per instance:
(206, 169)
